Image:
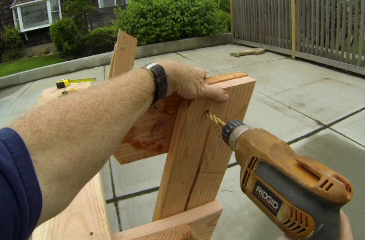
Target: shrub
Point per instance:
(226, 18)
(152, 21)
(76, 9)
(224, 5)
(100, 40)
(12, 44)
(66, 37)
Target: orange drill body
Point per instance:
(300, 195)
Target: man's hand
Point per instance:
(346, 232)
(188, 82)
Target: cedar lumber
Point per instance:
(125, 53)
(198, 157)
(151, 134)
(202, 221)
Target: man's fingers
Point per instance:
(215, 93)
(346, 232)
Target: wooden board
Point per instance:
(197, 158)
(85, 218)
(151, 134)
(125, 52)
(202, 221)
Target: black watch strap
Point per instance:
(160, 78)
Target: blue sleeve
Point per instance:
(20, 193)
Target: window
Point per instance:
(35, 14)
(111, 3)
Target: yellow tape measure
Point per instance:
(66, 82)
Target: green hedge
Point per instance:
(100, 40)
(67, 38)
(152, 21)
(11, 44)
(226, 18)
(71, 42)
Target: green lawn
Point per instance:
(27, 64)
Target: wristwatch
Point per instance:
(160, 79)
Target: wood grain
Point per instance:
(85, 218)
(151, 134)
(125, 52)
(197, 157)
(202, 220)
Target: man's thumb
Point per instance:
(215, 93)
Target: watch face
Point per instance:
(148, 66)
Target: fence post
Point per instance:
(233, 17)
(293, 25)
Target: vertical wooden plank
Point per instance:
(260, 23)
(286, 25)
(245, 17)
(349, 33)
(317, 26)
(294, 24)
(303, 21)
(327, 39)
(198, 157)
(249, 14)
(338, 30)
(233, 19)
(254, 19)
(271, 11)
(356, 32)
(343, 31)
(313, 9)
(125, 53)
(275, 22)
(308, 14)
(333, 30)
(362, 29)
(266, 21)
(280, 24)
(322, 28)
(238, 16)
(86, 214)
(298, 24)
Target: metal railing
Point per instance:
(330, 32)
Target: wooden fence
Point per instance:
(330, 32)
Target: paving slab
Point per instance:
(171, 57)
(137, 176)
(7, 120)
(348, 159)
(9, 95)
(137, 211)
(218, 58)
(278, 119)
(241, 219)
(283, 74)
(27, 99)
(113, 217)
(325, 100)
(353, 127)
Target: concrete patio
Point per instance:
(291, 99)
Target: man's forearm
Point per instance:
(70, 139)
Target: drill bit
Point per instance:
(215, 119)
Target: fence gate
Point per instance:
(330, 32)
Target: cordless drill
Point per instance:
(300, 195)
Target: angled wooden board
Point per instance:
(202, 221)
(197, 158)
(151, 134)
(85, 218)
